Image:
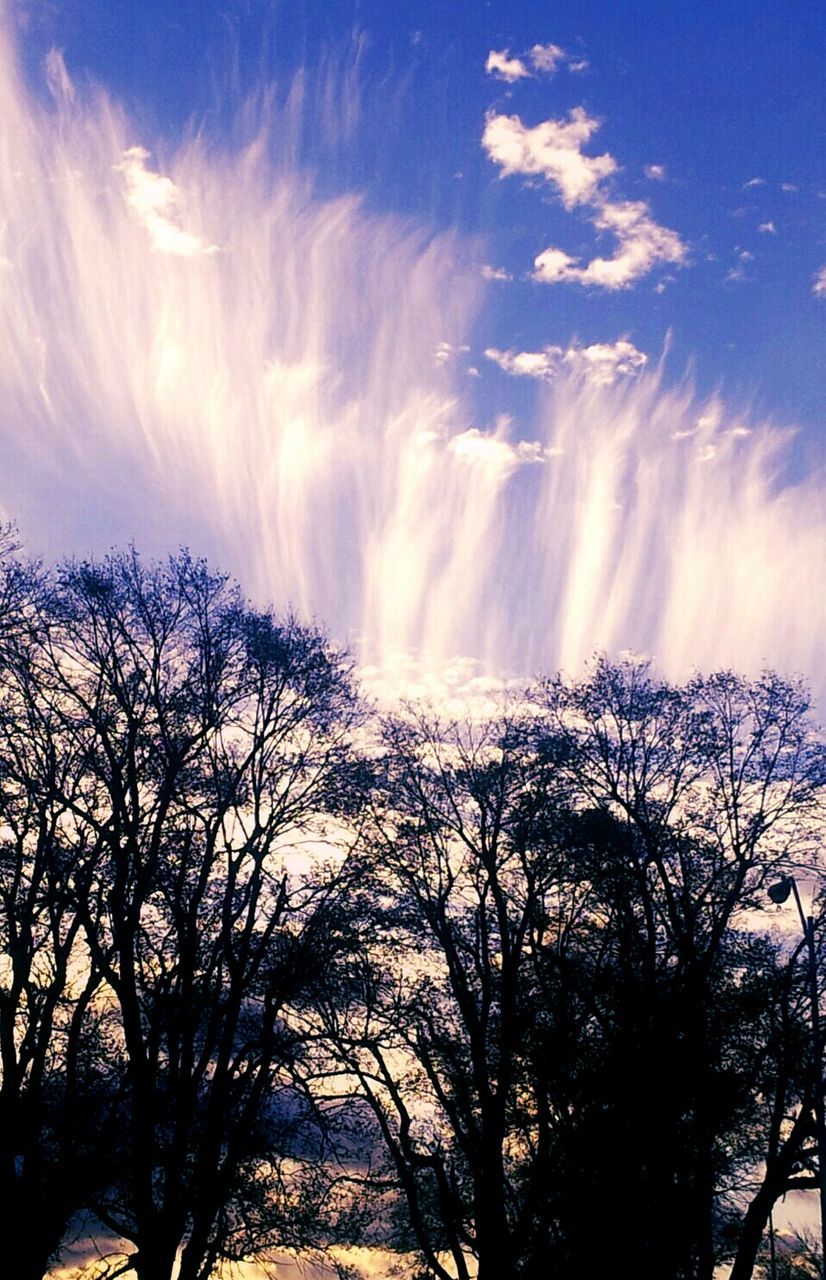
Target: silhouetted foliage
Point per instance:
(169, 758)
(560, 1012)
(497, 993)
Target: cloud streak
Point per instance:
(281, 406)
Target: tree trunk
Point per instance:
(155, 1260)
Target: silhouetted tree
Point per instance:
(709, 789)
(558, 1010)
(52, 1032)
(458, 879)
(197, 749)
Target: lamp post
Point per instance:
(779, 893)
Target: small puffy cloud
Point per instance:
(553, 265)
(495, 273)
(739, 270)
(768, 228)
(600, 364)
(155, 200)
(641, 243)
(655, 172)
(445, 351)
(737, 273)
(547, 57)
(753, 182)
(553, 150)
(504, 67)
(526, 364)
(788, 186)
(819, 286)
(494, 450)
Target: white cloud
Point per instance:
(655, 172)
(493, 450)
(495, 273)
(547, 57)
(642, 243)
(553, 150)
(738, 272)
(504, 67)
(553, 265)
(446, 351)
(753, 182)
(155, 201)
(788, 186)
(600, 364)
(819, 286)
(768, 228)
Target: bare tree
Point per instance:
(554, 1004)
(459, 879)
(711, 788)
(52, 1036)
(214, 745)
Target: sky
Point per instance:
(488, 330)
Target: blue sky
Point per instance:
(369, 303)
(716, 96)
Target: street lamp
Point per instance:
(779, 893)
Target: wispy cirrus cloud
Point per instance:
(819, 286)
(600, 364)
(553, 150)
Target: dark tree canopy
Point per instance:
(500, 994)
(168, 752)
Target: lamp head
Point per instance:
(779, 892)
